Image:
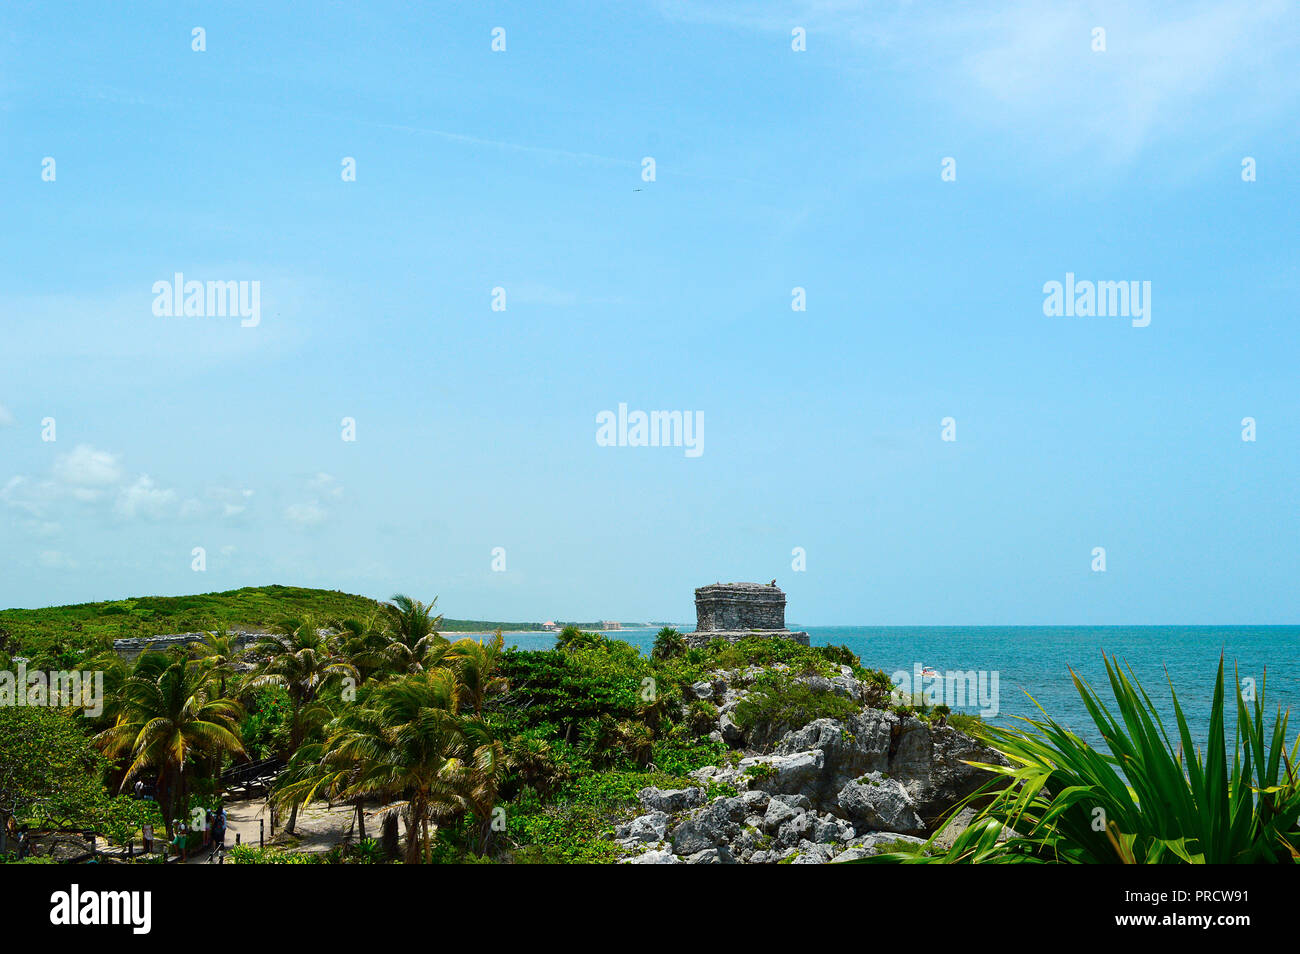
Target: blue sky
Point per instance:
(774, 169)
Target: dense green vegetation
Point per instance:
(483, 754)
(65, 632)
(612, 722)
(52, 776)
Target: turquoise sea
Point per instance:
(1036, 660)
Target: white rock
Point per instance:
(654, 857)
(879, 803)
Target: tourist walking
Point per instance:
(178, 839)
(218, 836)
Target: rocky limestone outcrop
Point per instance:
(928, 761)
(832, 790)
(880, 804)
(751, 828)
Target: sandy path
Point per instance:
(319, 827)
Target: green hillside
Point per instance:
(27, 631)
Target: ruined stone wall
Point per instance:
(133, 646)
(739, 607)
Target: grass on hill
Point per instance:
(83, 625)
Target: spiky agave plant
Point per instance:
(1144, 802)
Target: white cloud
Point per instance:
(1026, 69)
(6, 418)
(231, 500)
(87, 469)
(312, 512)
(95, 477)
(1164, 70)
(325, 486)
(31, 496)
(309, 514)
(146, 499)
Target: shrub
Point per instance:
(768, 651)
(840, 656)
(878, 687)
(265, 726)
(565, 689)
(615, 743)
(534, 762)
(702, 716)
(577, 828)
(51, 773)
(253, 855)
(779, 700)
(668, 644)
(573, 638)
(681, 752)
(968, 723)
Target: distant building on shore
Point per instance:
(609, 625)
(549, 626)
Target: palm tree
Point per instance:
(363, 641)
(403, 742)
(474, 664)
(168, 714)
(416, 742)
(532, 761)
(412, 640)
(668, 643)
(220, 651)
(305, 663)
(571, 637)
(407, 746)
(315, 770)
(116, 672)
(477, 772)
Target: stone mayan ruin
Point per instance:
(732, 611)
